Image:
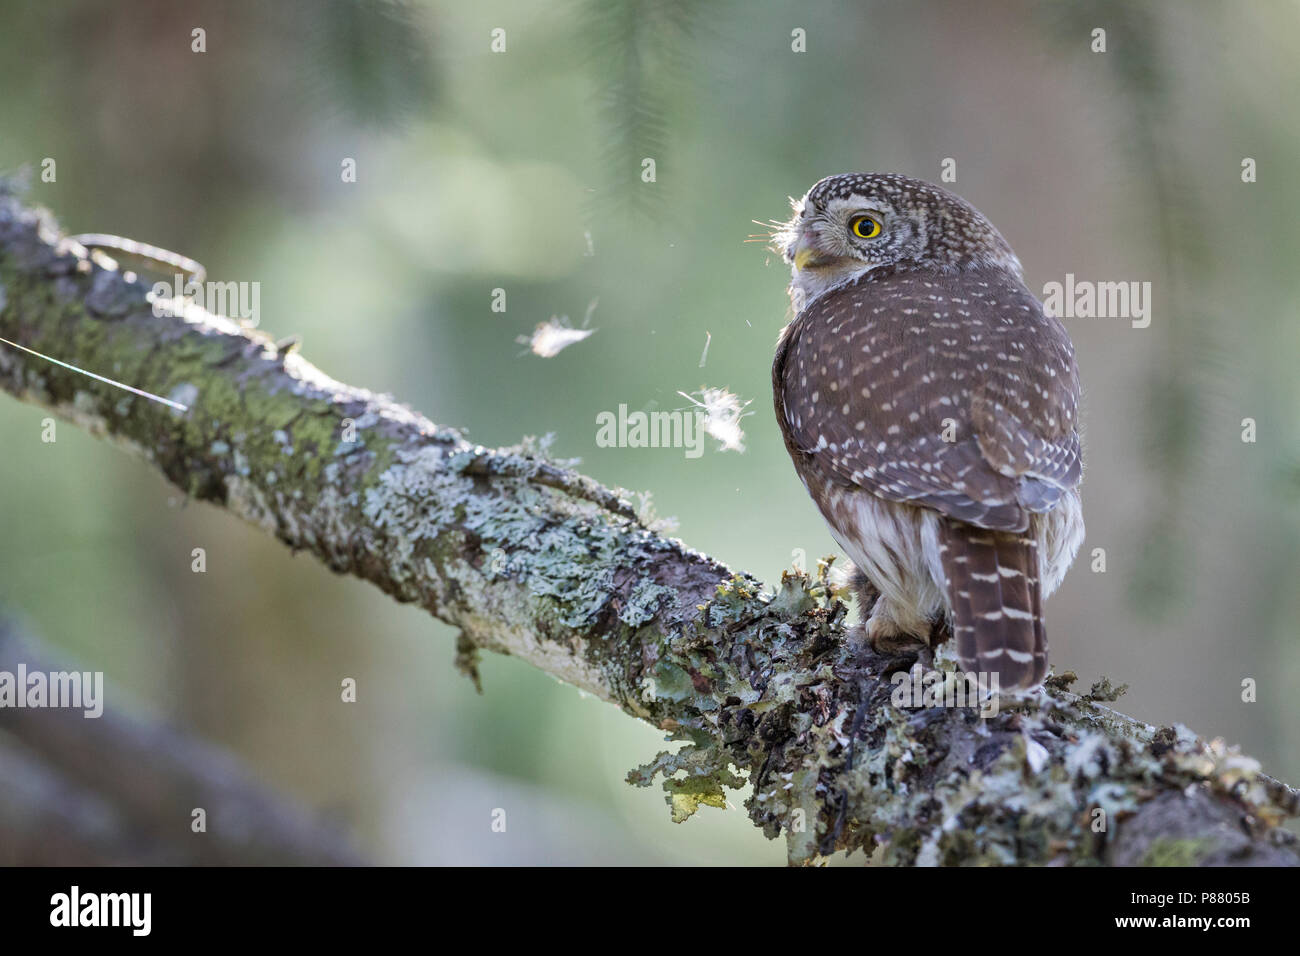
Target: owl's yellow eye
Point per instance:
(864, 227)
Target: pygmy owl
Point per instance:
(931, 410)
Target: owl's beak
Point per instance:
(806, 255)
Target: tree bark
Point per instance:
(529, 558)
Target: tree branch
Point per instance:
(528, 558)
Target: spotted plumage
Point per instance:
(931, 410)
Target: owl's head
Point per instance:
(860, 224)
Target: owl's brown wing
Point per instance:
(953, 392)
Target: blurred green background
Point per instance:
(481, 170)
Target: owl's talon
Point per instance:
(885, 638)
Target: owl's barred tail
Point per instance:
(997, 609)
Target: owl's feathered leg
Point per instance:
(865, 591)
(879, 631)
(886, 629)
(940, 630)
(886, 635)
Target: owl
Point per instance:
(931, 409)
